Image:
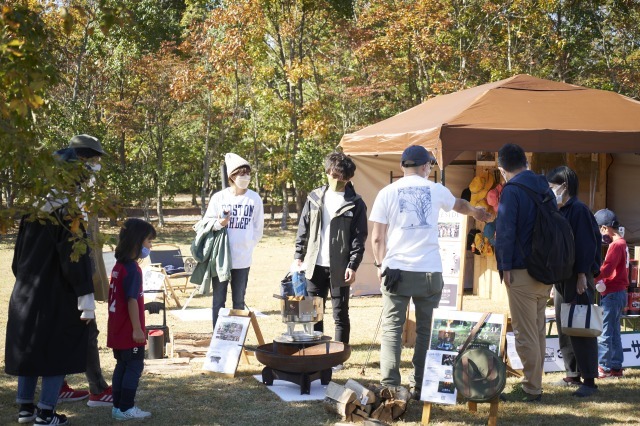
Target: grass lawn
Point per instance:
(194, 397)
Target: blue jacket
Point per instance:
(516, 218)
(587, 236)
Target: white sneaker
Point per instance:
(338, 367)
(132, 413)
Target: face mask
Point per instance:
(94, 167)
(144, 252)
(336, 185)
(242, 182)
(606, 239)
(559, 193)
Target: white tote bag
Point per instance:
(581, 320)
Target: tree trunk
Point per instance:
(206, 163)
(301, 197)
(100, 280)
(285, 207)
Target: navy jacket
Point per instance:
(587, 236)
(516, 218)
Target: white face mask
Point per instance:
(94, 167)
(242, 182)
(559, 193)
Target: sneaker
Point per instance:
(568, 381)
(133, 413)
(49, 417)
(616, 373)
(603, 374)
(27, 413)
(519, 395)
(114, 412)
(68, 394)
(104, 399)
(338, 367)
(584, 391)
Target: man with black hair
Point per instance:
(406, 253)
(527, 296)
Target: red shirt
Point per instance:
(614, 270)
(126, 283)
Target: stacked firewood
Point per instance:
(357, 403)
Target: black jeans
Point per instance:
(320, 285)
(580, 354)
(239, 280)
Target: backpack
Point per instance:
(552, 245)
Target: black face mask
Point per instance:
(606, 239)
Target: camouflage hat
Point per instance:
(86, 141)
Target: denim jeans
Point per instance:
(48, 394)
(425, 288)
(126, 375)
(320, 285)
(239, 279)
(610, 354)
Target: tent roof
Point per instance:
(539, 115)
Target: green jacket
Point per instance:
(211, 250)
(347, 230)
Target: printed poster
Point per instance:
(226, 344)
(451, 250)
(449, 331)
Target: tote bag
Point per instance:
(581, 320)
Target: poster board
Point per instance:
(227, 344)
(449, 330)
(452, 235)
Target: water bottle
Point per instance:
(299, 283)
(601, 286)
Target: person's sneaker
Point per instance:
(616, 373)
(568, 381)
(415, 393)
(26, 413)
(68, 394)
(114, 412)
(104, 399)
(519, 395)
(133, 413)
(49, 417)
(584, 391)
(604, 374)
(338, 367)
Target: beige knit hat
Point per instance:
(233, 162)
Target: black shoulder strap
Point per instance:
(533, 194)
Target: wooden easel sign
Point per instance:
(226, 344)
(449, 330)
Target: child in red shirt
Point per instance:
(614, 275)
(126, 328)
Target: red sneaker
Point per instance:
(104, 399)
(616, 373)
(68, 394)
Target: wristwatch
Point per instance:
(377, 265)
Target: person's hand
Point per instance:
(349, 276)
(299, 263)
(482, 215)
(224, 220)
(379, 274)
(506, 277)
(138, 336)
(87, 320)
(581, 285)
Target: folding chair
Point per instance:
(176, 266)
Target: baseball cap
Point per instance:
(606, 217)
(416, 155)
(88, 142)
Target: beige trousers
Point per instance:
(527, 303)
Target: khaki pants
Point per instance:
(527, 303)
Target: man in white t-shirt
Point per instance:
(240, 210)
(406, 253)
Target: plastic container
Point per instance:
(299, 284)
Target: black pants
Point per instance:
(580, 354)
(320, 285)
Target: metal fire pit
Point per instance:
(301, 362)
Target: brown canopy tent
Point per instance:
(539, 115)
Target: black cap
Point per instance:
(87, 142)
(416, 155)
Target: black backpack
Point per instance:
(552, 245)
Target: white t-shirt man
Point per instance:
(410, 208)
(246, 223)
